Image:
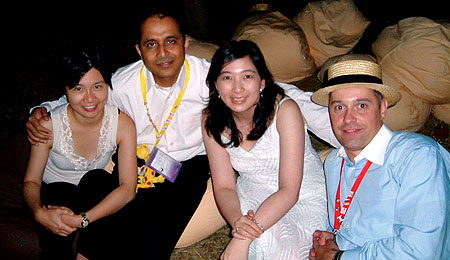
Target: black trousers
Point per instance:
(157, 217)
(95, 241)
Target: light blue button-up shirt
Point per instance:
(402, 207)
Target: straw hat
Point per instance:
(354, 74)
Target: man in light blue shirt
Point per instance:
(388, 192)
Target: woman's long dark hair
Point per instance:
(218, 116)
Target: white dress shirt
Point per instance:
(375, 150)
(183, 138)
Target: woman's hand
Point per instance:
(51, 218)
(72, 220)
(246, 227)
(236, 249)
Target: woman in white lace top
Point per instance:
(250, 126)
(65, 185)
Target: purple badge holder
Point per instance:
(163, 164)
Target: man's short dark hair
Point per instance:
(161, 10)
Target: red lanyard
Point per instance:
(339, 213)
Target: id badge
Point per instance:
(163, 164)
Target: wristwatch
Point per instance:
(84, 220)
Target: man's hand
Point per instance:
(36, 133)
(322, 237)
(324, 246)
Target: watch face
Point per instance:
(84, 220)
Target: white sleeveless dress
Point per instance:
(291, 236)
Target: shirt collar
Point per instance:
(178, 84)
(376, 149)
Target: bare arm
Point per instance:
(49, 218)
(223, 178)
(290, 126)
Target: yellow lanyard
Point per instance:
(159, 134)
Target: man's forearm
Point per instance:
(50, 105)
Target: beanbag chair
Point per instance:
(205, 221)
(416, 51)
(282, 43)
(441, 112)
(201, 49)
(331, 28)
(410, 113)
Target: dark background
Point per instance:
(35, 33)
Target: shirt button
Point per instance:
(347, 225)
(171, 143)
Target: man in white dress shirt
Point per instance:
(160, 214)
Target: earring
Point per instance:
(260, 92)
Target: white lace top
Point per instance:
(64, 164)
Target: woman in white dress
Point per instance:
(250, 126)
(65, 185)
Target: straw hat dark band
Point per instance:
(351, 74)
(352, 79)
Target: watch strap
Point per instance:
(84, 220)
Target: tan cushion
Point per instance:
(331, 27)
(201, 49)
(416, 51)
(205, 221)
(282, 43)
(441, 112)
(410, 113)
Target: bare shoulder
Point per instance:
(289, 116)
(289, 106)
(125, 121)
